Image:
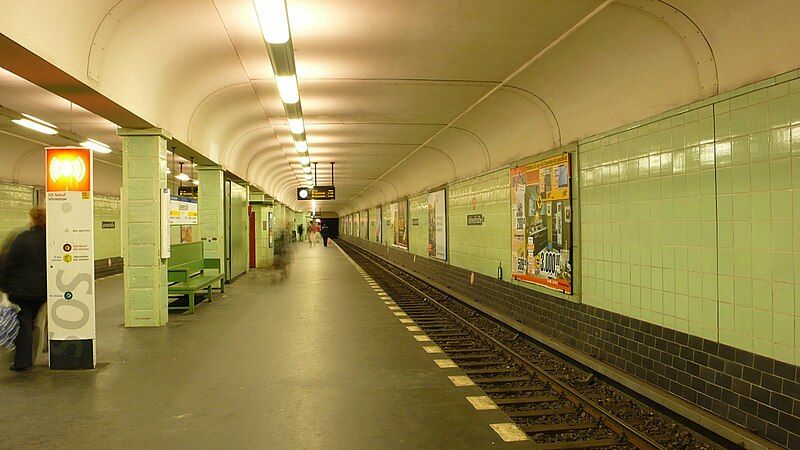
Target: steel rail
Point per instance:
(622, 429)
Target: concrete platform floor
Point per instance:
(315, 361)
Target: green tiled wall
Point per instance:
(480, 248)
(362, 225)
(106, 240)
(418, 224)
(374, 224)
(692, 221)
(210, 212)
(15, 202)
(386, 212)
(649, 223)
(758, 187)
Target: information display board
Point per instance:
(437, 225)
(182, 210)
(70, 258)
(399, 224)
(541, 215)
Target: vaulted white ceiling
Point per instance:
(403, 95)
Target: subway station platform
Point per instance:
(315, 361)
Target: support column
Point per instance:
(144, 167)
(210, 212)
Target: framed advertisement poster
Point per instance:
(399, 213)
(541, 223)
(437, 225)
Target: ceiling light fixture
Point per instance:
(307, 169)
(308, 177)
(287, 88)
(304, 160)
(273, 20)
(36, 124)
(96, 146)
(182, 176)
(296, 126)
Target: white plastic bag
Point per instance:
(9, 322)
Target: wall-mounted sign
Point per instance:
(108, 224)
(317, 193)
(70, 258)
(399, 224)
(474, 219)
(415, 222)
(437, 225)
(541, 215)
(182, 211)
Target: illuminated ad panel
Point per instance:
(399, 226)
(70, 258)
(541, 216)
(437, 225)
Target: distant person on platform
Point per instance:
(299, 232)
(24, 278)
(326, 233)
(313, 232)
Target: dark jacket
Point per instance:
(24, 271)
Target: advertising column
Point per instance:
(70, 258)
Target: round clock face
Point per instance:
(304, 193)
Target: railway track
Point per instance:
(557, 405)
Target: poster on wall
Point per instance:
(70, 258)
(182, 210)
(364, 224)
(358, 224)
(399, 225)
(437, 225)
(541, 216)
(377, 225)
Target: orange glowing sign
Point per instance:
(69, 169)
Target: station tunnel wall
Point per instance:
(688, 226)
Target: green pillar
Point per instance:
(144, 164)
(210, 211)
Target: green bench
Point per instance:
(186, 273)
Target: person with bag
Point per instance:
(24, 278)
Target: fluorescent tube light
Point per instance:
(96, 146)
(182, 177)
(287, 87)
(35, 126)
(273, 20)
(304, 160)
(36, 119)
(296, 126)
(301, 146)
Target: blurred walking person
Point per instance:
(24, 278)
